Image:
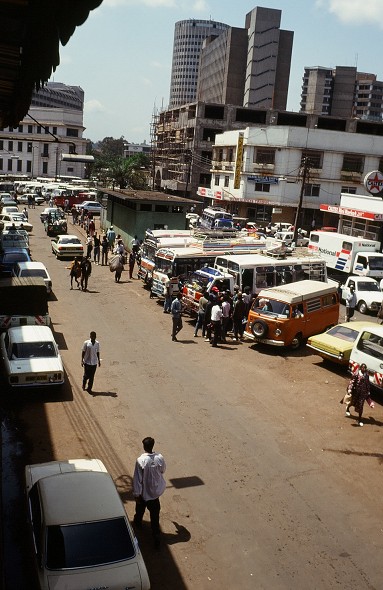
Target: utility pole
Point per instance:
(306, 168)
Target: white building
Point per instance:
(257, 172)
(36, 147)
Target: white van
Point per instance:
(368, 349)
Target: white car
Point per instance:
(81, 535)
(33, 269)
(10, 209)
(22, 199)
(67, 246)
(45, 212)
(16, 219)
(288, 237)
(91, 206)
(31, 357)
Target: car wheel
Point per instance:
(259, 329)
(362, 307)
(297, 341)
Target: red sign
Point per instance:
(352, 212)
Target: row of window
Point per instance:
(25, 167)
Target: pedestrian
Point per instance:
(202, 303)
(66, 205)
(86, 270)
(90, 358)
(91, 228)
(176, 311)
(74, 212)
(104, 250)
(132, 261)
(119, 248)
(96, 248)
(207, 319)
(89, 245)
(226, 311)
(380, 313)
(111, 236)
(239, 311)
(350, 303)
(75, 272)
(168, 294)
(119, 268)
(148, 485)
(359, 388)
(25, 213)
(216, 317)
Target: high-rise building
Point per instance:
(188, 38)
(268, 60)
(342, 92)
(249, 66)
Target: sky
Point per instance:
(122, 55)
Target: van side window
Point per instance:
(347, 246)
(329, 300)
(314, 238)
(362, 260)
(313, 304)
(371, 344)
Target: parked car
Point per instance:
(81, 536)
(67, 246)
(10, 209)
(92, 206)
(17, 219)
(336, 344)
(31, 357)
(39, 200)
(22, 199)
(288, 238)
(14, 239)
(10, 257)
(33, 269)
(369, 297)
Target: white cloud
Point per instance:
(94, 106)
(354, 11)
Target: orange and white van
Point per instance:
(286, 315)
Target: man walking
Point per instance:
(216, 319)
(86, 270)
(148, 486)
(176, 311)
(90, 358)
(350, 303)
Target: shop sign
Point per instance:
(264, 179)
(352, 212)
(373, 182)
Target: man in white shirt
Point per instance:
(216, 316)
(148, 486)
(90, 358)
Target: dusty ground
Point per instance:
(269, 485)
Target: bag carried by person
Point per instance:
(114, 263)
(347, 398)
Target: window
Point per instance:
(39, 129)
(19, 146)
(9, 165)
(45, 167)
(314, 238)
(312, 190)
(21, 128)
(227, 179)
(264, 156)
(19, 165)
(29, 147)
(1, 144)
(71, 132)
(1, 163)
(353, 163)
(45, 153)
(313, 159)
(262, 187)
(46, 129)
(54, 131)
(371, 344)
(314, 305)
(30, 128)
(161, 208)
(29, 166)
(10, 146)
(351, 190)
(216, 180)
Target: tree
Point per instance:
(110, 147)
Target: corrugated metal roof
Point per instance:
(130, 195)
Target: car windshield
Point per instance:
(367, 286)
(271, 307)
(344, 333)
(15, 257)
(70, 241)
(88, 544)
(28, 350)
(34, 272)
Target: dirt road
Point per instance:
(269, 486)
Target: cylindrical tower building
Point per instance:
(188, 38)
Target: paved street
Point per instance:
(269, 486)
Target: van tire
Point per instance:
(362, 307)
(297, 342)
(259, 329)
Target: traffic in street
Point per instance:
(268, 483)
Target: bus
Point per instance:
(261, 271)
(216, 218)
(148, 251)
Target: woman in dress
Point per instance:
(360, 391)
